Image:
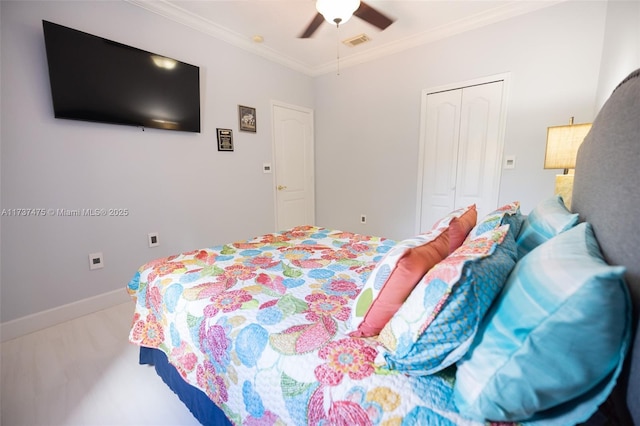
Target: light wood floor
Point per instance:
(84, 372)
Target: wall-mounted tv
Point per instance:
(95, 79)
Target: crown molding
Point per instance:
(174, 12)
(480, 20)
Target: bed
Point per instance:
(501, 319)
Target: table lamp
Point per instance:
(562, 148)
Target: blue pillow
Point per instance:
(554, 340)
(509, 214)
(549, 218)
(437, 323)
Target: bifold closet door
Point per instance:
(461, 155)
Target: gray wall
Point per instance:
(563, 62)
(621, 52)
(367, 120)
(174, 183)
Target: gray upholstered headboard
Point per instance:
(606, 193)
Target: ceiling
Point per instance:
(278, 23)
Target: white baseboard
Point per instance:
(34, 322)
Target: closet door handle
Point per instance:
(280, 187)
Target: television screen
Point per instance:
(95, 79)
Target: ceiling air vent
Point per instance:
(357, 40)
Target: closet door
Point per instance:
(442, 136)
(461, 151)
(479, 156)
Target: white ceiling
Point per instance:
(280, 22)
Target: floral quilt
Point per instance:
(261, 326)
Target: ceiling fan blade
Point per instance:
(373, 16)
(313, 26)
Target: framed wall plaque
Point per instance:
(225, 139)
(247, 118)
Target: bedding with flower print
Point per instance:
(261, 326)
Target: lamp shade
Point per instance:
(562, 145)
(337, 11)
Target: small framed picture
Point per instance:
(225, 139)
(247, 118)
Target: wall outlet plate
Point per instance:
(96, 261)
(154, 239)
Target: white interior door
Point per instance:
(294, 165)
(460, 150)
(480, 154)
(440, 153)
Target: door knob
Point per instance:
(280, 187)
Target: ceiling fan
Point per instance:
(339, 11)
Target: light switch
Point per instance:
(510, 162)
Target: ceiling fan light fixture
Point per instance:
(337, 11)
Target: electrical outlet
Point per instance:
(363, 218)
(96, 261)
(154, 240)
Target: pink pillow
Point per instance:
(395, 277)
(459, 227)
(460, 222)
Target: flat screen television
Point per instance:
(95, 79)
